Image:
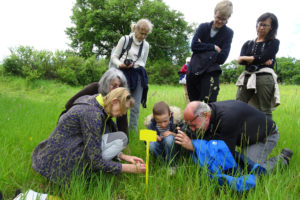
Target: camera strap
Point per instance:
(126, 45)
(129, 46)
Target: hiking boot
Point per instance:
(286, 154)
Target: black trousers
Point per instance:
(204, 87)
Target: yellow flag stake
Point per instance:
(148, 136)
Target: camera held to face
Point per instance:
(128, 62)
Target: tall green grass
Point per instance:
(29, 112)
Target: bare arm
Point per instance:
(132, 168)
(137, 165)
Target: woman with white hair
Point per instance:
(132, 62)
(111, 79)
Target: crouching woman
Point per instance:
(86, 139)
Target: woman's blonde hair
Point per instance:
(142, 24)
(225, 8)
(122, 95)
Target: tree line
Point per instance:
(99, 24)
(73, 69)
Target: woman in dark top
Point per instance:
(213, 40)
(258, 56)
(111, 79)
(86, 139)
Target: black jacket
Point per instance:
(237, 123)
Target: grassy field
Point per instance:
(29, 112)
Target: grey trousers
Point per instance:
(260, 151)
(112, 144)
(135, 111)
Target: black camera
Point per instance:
(127, 62)
(252, 68)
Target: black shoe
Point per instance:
(286, 154)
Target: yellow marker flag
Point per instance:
(148, 136)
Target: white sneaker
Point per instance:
(172, 171)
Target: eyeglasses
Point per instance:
(189, 122)
(263, 25)
(221, 19)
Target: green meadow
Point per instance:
(29, 112)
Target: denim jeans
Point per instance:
(259, 152)
(165, 148)
(135, 111)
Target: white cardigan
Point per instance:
(132, 53)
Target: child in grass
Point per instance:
(164, 121)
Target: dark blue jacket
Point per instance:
(131, 75)
(222, 39)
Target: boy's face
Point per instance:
(163, 120)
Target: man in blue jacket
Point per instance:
(237, 124)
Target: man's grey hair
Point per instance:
(110, 75)
(201, 108)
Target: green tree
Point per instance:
(99, 24)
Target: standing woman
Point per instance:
(258, 56)
(86, 139)
(211, 44)
(132, 63)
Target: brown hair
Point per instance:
(161, 108)
(122, 95)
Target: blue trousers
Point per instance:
(165, 148)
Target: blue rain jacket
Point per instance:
(221, 164)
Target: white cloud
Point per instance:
(37, 23)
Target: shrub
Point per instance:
(92, 70)
(13, 65)
(162, 72)
(67, 75)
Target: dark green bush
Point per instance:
(162, 72)
(231, 72)
(67, 75)
(64, 66)
(13, 65)
(92, 70)
(68, 67)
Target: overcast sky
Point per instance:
(42, 23)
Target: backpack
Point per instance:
(126, 47)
